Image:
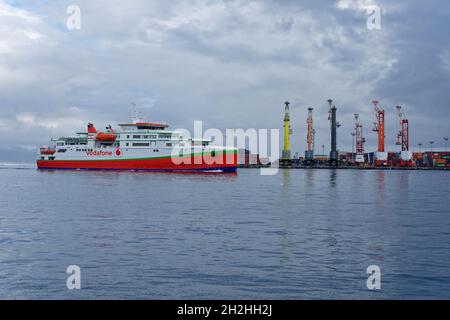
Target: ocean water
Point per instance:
(301, 234)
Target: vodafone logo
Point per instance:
(97, 153)
(118, 152)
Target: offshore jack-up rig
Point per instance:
(403, 139)
(380, 158)
(310, 139)
(360, 140)
(286, 155)
(334, 155)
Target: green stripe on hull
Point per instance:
(152, 158)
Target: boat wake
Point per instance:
(17, 165)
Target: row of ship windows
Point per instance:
(137, 144)
(143, 144)
(60, 144)
(153, 136)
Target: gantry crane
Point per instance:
(381, 157)
(360, 140)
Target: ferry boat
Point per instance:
(145, 146)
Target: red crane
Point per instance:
(379, 125)
(381, 157)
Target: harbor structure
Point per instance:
(286, 154)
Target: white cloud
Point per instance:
(26, 118)
(28, 147)
(358, 5)
(31, 120)
(367, 6)
(18, 29)
(9, 11)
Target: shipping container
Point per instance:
(393, 156)
(417, 156)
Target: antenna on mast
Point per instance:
(136, 117)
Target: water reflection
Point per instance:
(333, 177)
(359, 178)
(286, 177)
(381, 183)
(404, 179)
(143, 175)
(310, 178)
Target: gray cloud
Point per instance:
(229, 63)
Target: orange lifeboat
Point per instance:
(106, 137)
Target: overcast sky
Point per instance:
(229, 63)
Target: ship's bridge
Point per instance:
(143, 126)
(80, 139)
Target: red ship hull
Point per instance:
(197, 163)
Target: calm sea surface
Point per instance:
(302, 234)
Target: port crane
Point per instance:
(403, 138)
(334, 155)
(381, 157)
(309, 154)
(403, 133)
(360, 140)
(286, 155)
